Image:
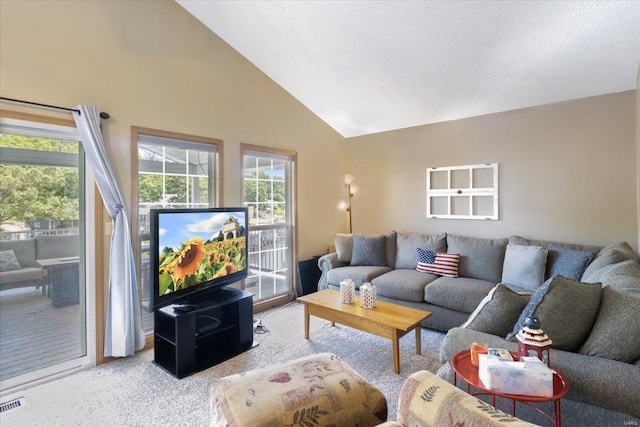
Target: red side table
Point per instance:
(463, 368)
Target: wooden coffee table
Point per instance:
(386, 320)
(463, 368)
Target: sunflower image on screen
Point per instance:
(196, 260)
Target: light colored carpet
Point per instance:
(135, 392)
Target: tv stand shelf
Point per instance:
(219, 327)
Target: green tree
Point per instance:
(30, 192)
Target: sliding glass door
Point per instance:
(43, 298)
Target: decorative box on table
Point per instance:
(528, 377)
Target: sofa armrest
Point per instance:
(427, 400)
(326, 263)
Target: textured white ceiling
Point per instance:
(371, 66)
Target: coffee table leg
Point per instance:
(558, 415)
(396, 351)
(306, 322)
(418, 339)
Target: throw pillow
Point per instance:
(479, 258)
(369, 250)
(566, 309)
(566, 262)
(8, 261)
(344, 246)
(617, 328)
(441, 263)
(408, 242)
(524, 266)
(498, 311)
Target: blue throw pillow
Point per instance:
(369, 250)
(570, 263)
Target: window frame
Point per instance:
(136, 131)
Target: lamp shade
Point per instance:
(348, 179)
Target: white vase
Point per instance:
(347, 291)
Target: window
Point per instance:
(174, 171)
(269, 177)
(463, 192)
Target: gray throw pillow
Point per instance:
(615, 334)
(479, 258)
(566, 309)
(498, 311)
(524, 266)
(369, 250)
(344, 246)
(408, 243)
(567, 262)
(8, 261)
(610, 254)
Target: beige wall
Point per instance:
(151, 64)
(567, 172)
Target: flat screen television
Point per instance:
(196, 251)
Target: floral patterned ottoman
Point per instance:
(319, 390)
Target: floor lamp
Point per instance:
(351, 190)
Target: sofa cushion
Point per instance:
(369, 250)
(359, 274)
(498, 311)
(566, 262)
(609, 255)
(460, 294)
(8, 261)
(441, 263)
(566, 309)
(517, 240)
(479, 258)
(406, 256)
(524, 266)
(403, 284)
(344, 246)
(615, 334)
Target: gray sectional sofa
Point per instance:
(586, 297)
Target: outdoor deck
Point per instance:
(35, 335)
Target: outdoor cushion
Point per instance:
(566, 310)
(616, 329)
(8, 261)
(524, 266)
(406, 256)
(461, 293)
(25, 251)
(498, 311)
(479, 258)
(403, 284)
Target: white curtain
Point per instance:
(123, 331)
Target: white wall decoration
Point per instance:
(463, 192)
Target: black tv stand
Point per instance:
(216, 328)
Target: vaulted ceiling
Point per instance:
(372, 66)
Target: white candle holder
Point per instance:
(347, 291)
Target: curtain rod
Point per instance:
(103, 115)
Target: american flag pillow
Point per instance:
(441, 263)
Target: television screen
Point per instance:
(194, 251)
